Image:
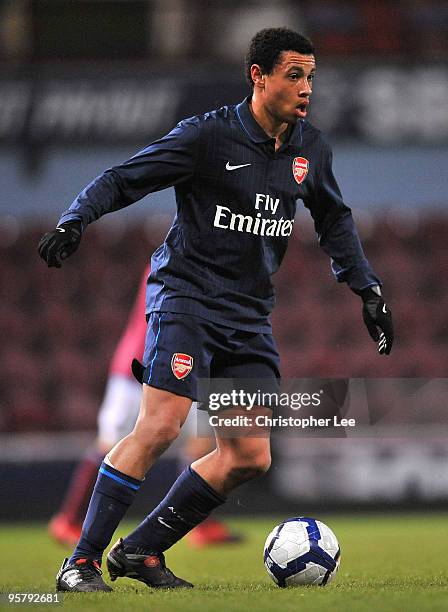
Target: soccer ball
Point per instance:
(301, 551)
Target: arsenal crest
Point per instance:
(300, 167)
(181, 364)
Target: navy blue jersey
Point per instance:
(236, 202)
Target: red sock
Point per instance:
(77, 497)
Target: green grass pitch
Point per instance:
(388, 563)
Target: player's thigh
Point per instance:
(174, 361)
(161, 412)
(119, 409)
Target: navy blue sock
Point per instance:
(189, 501)
(114, 492)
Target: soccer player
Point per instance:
(116, 419)
(238, 172)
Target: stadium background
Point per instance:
(85, 84)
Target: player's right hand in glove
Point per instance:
(378, 319)
(60, 243)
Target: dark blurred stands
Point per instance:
(415, 29)
(105, 30)
(318, 322)
(59, 328)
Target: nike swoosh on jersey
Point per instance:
(60, 229)
(230, 167)
(384, 309)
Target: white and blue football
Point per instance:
(301, 551)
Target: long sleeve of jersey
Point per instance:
(164, 163)
(336, 230)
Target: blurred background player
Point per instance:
(116, 418)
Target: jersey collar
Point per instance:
(254, 130)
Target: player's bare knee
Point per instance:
(166, 432)
(246, 468)
(156, 436)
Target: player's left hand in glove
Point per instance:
(378, 319)
(60, 243)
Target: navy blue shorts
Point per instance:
(181, 350)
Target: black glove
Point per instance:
(378, 319)
(60, 243)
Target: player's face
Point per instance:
(287, 91)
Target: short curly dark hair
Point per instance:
(267, 45)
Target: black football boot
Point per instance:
(81, 576)
(150, 569)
